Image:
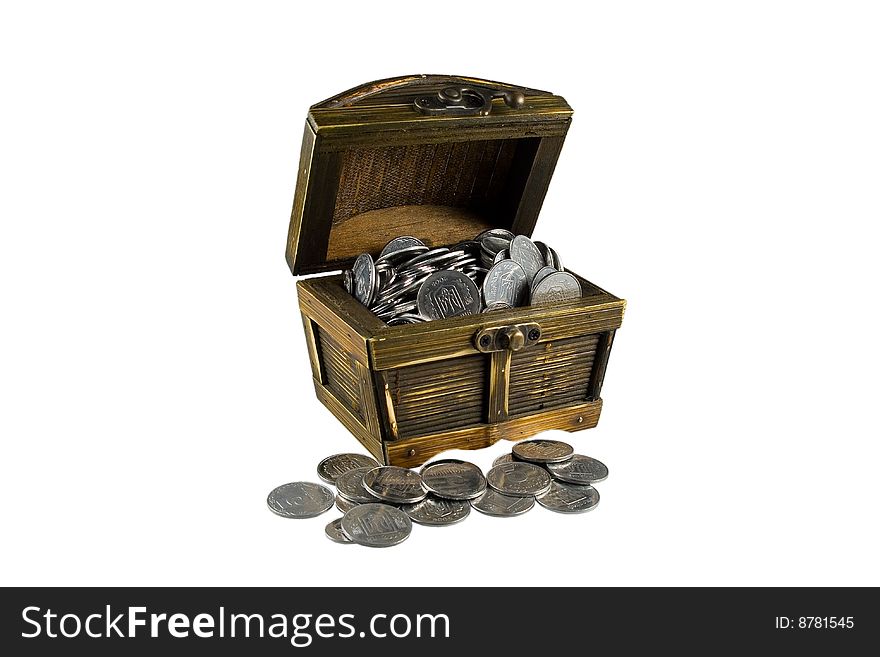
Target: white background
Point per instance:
(721, 174)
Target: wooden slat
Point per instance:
(438, 399)
(326, 302)
(307, 243)
(312, 345)
(401, 346)
(601, 364)
(412, 452)
(368, 399)
(403, 117)
(535, 189)
(499, 386)
(351, 422)
(299, 197)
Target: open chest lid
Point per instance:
(440, 158)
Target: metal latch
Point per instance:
(513, 338)
(473, 100)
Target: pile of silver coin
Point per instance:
(410, 283)
(380, 503)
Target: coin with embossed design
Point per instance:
(493, 503)
(402, 242)
(331, 467)
(350, 485)
(448, 293)
(394, 484)
(436, 511)
(334, 532)
(579, 469)
(543, 273)
(364, 279)
(543, 451)
(569, 498)
(344, 504)
(518, 478)
(501, 233)
(453, 479)
(505, 282)
(524, 251)
(557, 287)
(376, 525)
(300, 499)
(504, 458)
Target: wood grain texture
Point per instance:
(549, 112)
(413, 452)
(310, 330)
(373, 168)
(534, 190)
(350, 422)
(299, 197)
(603, 350)
(325, 301)
(499, 386)
(403, 88)
(368, 400)
(438, 340)
(435, 225)
(360, 156)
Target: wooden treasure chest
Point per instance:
(440, 158)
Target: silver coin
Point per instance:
(579, 469)
(503, 233)
(557, 263)
(300, 499)
(393, 484)
(385, 276)
(557, 287)
(400, 289)
(498, 305)
(505, 282)
(347, 280)
(331, 467)
(394, 258)
(364, 272)
(350, 485)
(545, 253)
(448, 294)
(397, 309)
(504, 458)
(345, 505)
(442, 260)
(398, 243)
(405, 318)
(426, 255)
(503, 254)
(468, 246)
(518, 478)
(453, 479)
(542, 451)
(543, 273)
(493, 503)
(524, 251)
(437, 512)
(376, 525)
(334, 532)
(569, 498)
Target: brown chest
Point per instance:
(405, 157)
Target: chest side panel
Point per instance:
(551, 374)
(340, 374)
(439, 396)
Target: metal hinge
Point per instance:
(470, 100)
